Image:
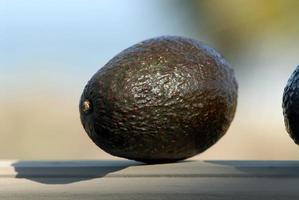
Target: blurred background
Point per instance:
(50, 49)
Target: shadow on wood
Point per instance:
(67, 171)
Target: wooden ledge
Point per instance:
(122, 179)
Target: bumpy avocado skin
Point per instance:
(290, 105)
(162, 100)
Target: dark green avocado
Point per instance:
(162, 100)
(290, 105)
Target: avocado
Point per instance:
(290, 105)
(162, 100)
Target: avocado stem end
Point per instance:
(86, 106)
